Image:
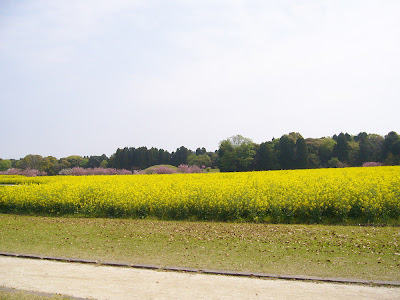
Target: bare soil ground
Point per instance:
(103, 282)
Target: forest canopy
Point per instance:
(236, 154)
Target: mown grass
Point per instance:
(26, 295)
(370, 253)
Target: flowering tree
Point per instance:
(189, 169)
(78, 171)
(372, 164)
(163, 170)
(26, 172)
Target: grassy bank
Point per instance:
(340, 251)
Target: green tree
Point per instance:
(76, 161)
(103, 164)
(264, 158)
(353, 153)
(376, 141)
(31, 162)
(365, 149)
(236, 154)
(64, 163)
(50, 165)
(199, 160)
(152, 157)
(301, 153)
(164, 157)
(5, 164)
(94, 161)
(341, 149)
(200, 151)
(180, 156)
(140, 161)
(391, 148)
(334, 162)
(227, 157)
(325, 150)
(286, 152)
(214, 159)
(313, 161)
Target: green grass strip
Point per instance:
(369, 253)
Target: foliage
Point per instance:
(264, 159)
(97, 161)
(286, 152)
(31, 162)
(138, 158)
(341, 149)
(180, 156)
(199, 160)
(50, 165)
(5, 164)
(365, 149)
(236, 154)
(334, 162)
(201, 151)
(77, 161)
(391, 148)
(325, 150)
(293, 152)
(310, 196)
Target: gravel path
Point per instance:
(103, 282)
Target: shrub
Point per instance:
(189, 169)
(334, 162)
(163, 170)
(13, 171)
(184, 169)
(124, 172)
(195, 169)
(78, 171)
(30, 173)
(26, 172)
(65, 172)
(372, 164)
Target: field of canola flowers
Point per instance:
(307, 196)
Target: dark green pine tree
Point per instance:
(365, 150)
(180, 156)
(341, 149)
(286, 148)
(301, 154)
(263, 159)
(389, 145)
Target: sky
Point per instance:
(85, 77)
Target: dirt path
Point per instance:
(102, 282)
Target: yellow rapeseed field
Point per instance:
(312, 196)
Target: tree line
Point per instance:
(292, 151)
(236, 154)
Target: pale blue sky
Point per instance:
(86, 77)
